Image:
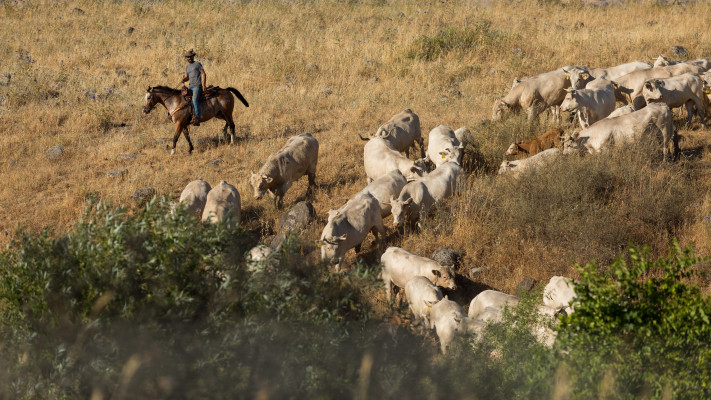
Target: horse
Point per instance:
(219, 103)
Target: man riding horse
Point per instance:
(195, 73)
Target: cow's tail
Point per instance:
(363, 138)
(239, 96)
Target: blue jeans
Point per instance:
(197, 92)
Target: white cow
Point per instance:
(348, 226)
(446, 317)
(400, 266)
(655, 119)
(380, 157)
(591, 104)
(559, 294)
(417, 197)
(488, 305)
(421, 295)
(581, 76)
(443, 146)
(682, 90)
(629, 87)
(663, 61)
(257, 257)
(194, 196)
(534, 94)
(223, 203)
(402, 131)
(517, 167)
(299, 156)
(386, 187)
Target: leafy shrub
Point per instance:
(642, 326)
(454, 39)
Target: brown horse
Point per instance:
(219, 103)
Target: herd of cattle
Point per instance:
(408, 189)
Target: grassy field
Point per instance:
(74, 74)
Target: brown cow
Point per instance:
(546, 141)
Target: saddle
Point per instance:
(210, 92)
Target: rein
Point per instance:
(170, 114)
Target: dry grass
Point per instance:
(78, 78)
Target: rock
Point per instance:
(145, 71)
(472, 274)
(117, 173)
(579, 25)
(142, 195)
(214, 162)
(680, 51)
(327, 91)
(651, 22)
(79, 11)
(5, 78)
(454, 92)
(55, 152)
(277, 241)
(127, 156)
(525, 286)
(121, 73)
(130, 30)
(297, 218)
(374, 79)
(447, 256)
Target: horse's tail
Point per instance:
(239, 96)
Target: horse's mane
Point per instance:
(165, 89)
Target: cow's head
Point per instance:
(661, 62)
(516, 82)
(444, 277)
(260, 184)
(329, 248)
(384, 131)
(570, 142)
(505, 166)
(652, 90)
(401, 210)
(570, 102)
(500, 107)
(514, 149)
(578, 76)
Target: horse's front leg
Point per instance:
(178, 130)
(190, 143)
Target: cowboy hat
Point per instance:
(190, 53)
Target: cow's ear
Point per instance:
(585, 75)
(408, 201)
(149, 89)
(341, 238)
(659, 82)
(569, 90)
(436, 273)
(648, 85)
(268, 179)
(332, 213)
(615, 84)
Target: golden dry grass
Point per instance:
(78, 75)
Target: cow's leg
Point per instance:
(422, 147)
(701, 110)
(311, 173)
(689, 112)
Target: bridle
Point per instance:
(153, 103)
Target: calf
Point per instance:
(417, 197)
(400, 266)
(516, 168)
(444, 146)
(348, 226)
(446, 317)
(380, 157)
(677, 91)
(223, 203)
(548, 140)
(655, 118)
(581, 76)
(591, 104)
(385, 188)
(402, 131)
(194, 196)
(299, 156)
(421, 295)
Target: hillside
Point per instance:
(75, 74)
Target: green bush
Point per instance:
(642, 326)
(454, 40)
(154, 304)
